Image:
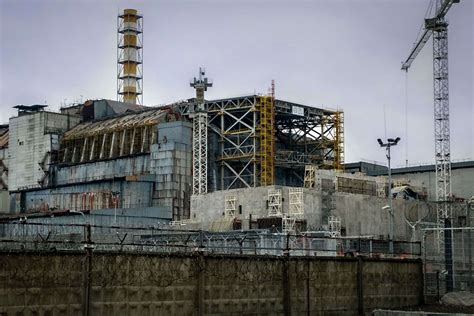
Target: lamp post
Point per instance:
(390, 142)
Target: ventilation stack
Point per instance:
(130, 57)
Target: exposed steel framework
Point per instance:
(267, 140)
(200, 139)
(130, 57)
(302, 135)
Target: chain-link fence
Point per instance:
(449, 269)
(448, 263)
(23, 235)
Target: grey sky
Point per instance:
(336, 54)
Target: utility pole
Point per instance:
(390, 142)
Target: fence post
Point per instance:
(88, 247)
(308, 294)
(469, 208)
(200, 284)
(286, 278)
(360, 286)
(448, 250)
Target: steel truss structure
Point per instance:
(200, 138)
(301, 135)
(438, 27)
(200, 153)
(441, 116)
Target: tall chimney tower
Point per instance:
(130, 57)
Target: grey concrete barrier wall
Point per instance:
(43, 283)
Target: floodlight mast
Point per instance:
(390, 142)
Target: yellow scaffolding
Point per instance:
(267, 140)
(339, 141)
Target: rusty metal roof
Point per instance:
(4, 138)
(117, 123)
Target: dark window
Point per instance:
(240, 209)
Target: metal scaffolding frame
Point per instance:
(230, 205)
(295, 210)
(274, 203)
(301, 134)
(310, 176)
(267, 140)
(296, 206)
(334, 226)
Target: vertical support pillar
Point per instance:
(87, 271)
(112, 144)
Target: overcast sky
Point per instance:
(335, 54)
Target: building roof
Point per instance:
(116, 123)
(122, 107)
(30, 108)
(3, 137)
(377, 169)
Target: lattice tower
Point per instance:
(441, 117)
(130, 57)
(200, 135)
(339, 141)
(267, 139)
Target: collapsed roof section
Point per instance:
(127, 134)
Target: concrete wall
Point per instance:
(90, 196)
(462, 181)
(4, 202)
(102, 170)
(123, 217)
(134, 284)
(32, 137)
(171, 162)
(360, 214)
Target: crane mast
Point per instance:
(438, 27)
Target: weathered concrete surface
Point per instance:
(462, 179)
(360, 214)
(199, 284)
